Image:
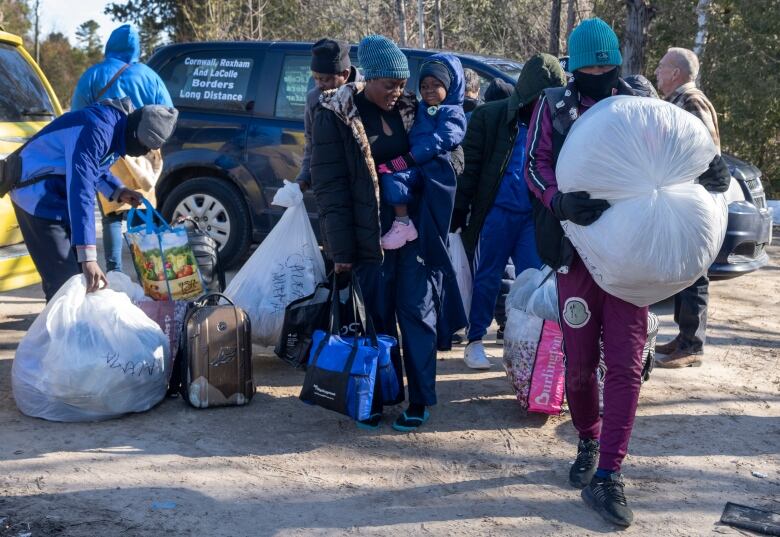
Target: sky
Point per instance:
(66, 15)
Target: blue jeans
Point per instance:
(112, 240)
(505, 234)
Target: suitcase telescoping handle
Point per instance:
(219, 268)
(205, 299)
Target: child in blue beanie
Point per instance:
(439, 127)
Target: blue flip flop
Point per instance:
(407, 424)
(366, 423)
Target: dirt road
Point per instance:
(279, 467)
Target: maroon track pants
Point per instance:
(588, 313)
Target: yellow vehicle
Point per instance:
(27, 104)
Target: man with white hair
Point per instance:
(676, 76)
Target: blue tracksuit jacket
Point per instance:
(74, 152)
(140, 83)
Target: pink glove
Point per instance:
(383, 168)
(399, 164)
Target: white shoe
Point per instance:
(475, 356)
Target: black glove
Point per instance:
(717, 178)
(577, 207)
(458, 220)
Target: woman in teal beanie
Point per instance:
(587, 313)
(355, 128)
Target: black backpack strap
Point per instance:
(563, 106)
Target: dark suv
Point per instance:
(240, 133)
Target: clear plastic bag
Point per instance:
(286, 266)
(121, 283)
(460, 262)
(534, 292)
(90, 357)
(543, 302)
(663, 231)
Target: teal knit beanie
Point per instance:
(593, 42)
(379, 57)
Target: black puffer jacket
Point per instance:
(344, 176)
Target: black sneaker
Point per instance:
(500, 333)
(605, 495)
(584, 467)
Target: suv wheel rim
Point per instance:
(209, 213)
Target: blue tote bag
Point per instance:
(342, 371)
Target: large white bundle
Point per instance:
(663, 231)
(90, 357)
(286, 266)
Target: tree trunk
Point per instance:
(555, 28)
(702, 15)
(421, 22)
(638, 16)
(400, 10)
(571, 17)
(437, 19)
(37, 30)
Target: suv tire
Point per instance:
(220, 208)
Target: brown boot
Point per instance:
(680, 358)
(667, 348)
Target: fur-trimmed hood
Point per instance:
(341, 102)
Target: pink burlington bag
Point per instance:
(547, 379)
(533, 360)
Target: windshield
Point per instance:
(22, 97)
(508, 68)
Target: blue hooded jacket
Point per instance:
(437, 131)
(70, 160)
(431, 140)
(138, 82)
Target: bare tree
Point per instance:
(37, 29)
(437, 19)
(571, 17)
(702, 14)
(400, 10)
(555, 28)
(639, 13)
(421, 21)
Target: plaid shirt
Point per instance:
(692, 99)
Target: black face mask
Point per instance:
(597, 87)
(133, 147)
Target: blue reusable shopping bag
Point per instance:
(162, 256)
(342, 371)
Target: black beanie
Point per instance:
(498, 89)
(438, 71)
(330, 57)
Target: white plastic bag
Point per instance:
(534, 292)
(121, 283)
(460, 262)
(90, 357)
(286, 266)
(662, 231)
(544, 301)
